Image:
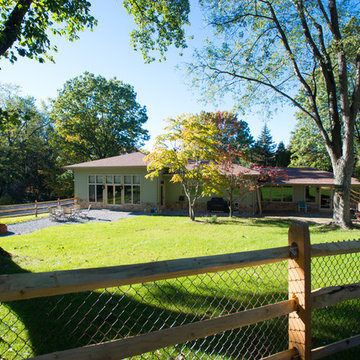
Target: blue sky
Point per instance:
(161, 87)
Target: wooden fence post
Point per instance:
(36, 208)
(300, 287)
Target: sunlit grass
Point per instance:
(136, 240)
(18, 219)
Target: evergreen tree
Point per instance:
(264, 149)
(282, 155)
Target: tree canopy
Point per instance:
(265, 50)
(97, 118)
(26, 25)
(28, 163)
(187, 150)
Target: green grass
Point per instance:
(151, 238)
(144, 239)
(18, 219)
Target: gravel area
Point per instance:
(94, 216)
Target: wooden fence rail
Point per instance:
(301, 301)
(34, 208)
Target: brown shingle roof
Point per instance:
(133, 159)
(308, 176)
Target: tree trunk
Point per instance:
(191, 211)
(230, 204)
(342, 184)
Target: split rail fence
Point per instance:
(299, 301)
(34, 208)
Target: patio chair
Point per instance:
(84, 214)
(56, 214)
(302, 205)
(52, 213)
(69, 214)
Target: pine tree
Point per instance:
(264, 149)
(282, 156)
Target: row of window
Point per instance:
(285, 194)
(277, 193)
(114, 189)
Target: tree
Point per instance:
(282, 156)
(27, 160)
(232, 180)
(233, 142)
(25, 25)
(264, 149)
(188, 151)
(234, 135)
(264, 49)
(159, 24)
(307, 147)
(97, 118)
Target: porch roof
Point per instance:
(308, 176)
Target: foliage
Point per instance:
(159, 24)
(264, 149)
(97, 118)
(27, 161)
(188, 151)
(25, 26)
(234, 141)
(282, 156)
(212, 220)
(307, 147)
(264, 51)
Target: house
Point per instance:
(120, 182)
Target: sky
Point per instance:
(160, 86)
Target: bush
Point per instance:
(212, 220)
(6, 200)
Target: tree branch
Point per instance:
(12, 26)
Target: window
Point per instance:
(114, 189)
(277, 193)
(287, 195)
(266, 193)
(96, 188)
(131, 189)
(310, 194)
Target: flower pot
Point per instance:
(3, 229)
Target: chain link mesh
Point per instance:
(340, 321)
(44, 325)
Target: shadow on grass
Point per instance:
(64, 322)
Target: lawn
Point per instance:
(18, 219)
(92, 317)
(151, 238)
